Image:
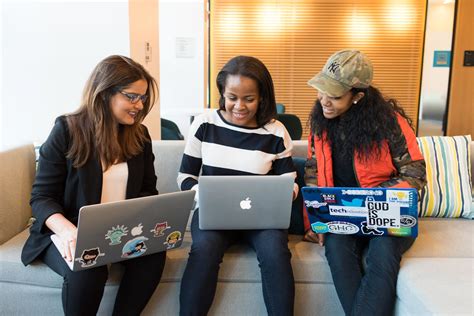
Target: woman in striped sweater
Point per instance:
(242, 137)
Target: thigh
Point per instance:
(388, 248)
(215, 241)
(53, 259)
(267, 239)
(340, 247)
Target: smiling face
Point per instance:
(335, 106)
(124, 111)
(241, 97)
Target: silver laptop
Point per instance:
(123, 230)
(245, 202)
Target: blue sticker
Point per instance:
(134, 248)
(354, 202)
(319, 227)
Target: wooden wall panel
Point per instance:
(143, 21)
(461, 98)
(295, 38)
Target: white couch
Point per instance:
(436, 276)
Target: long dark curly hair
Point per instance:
(364, 127)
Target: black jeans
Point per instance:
(199, 282)
(369, 292)
(82, 290)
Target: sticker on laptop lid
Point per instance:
(314, 204)
(172, 239)
(369, 230)
(400, 232)
(135, 247)
(382, 214)
(319, 227)
(403, 197)
(345, 228)
(89, 257)
(160, 228)
(137, 230)
(407, 221)
(116, 233)
(351, 208)
(328, 197)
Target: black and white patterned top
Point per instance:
(217, 147)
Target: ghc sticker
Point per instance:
(319, 228)
(344, 228)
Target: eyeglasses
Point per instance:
(134, 97)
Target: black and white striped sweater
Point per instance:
(221, 148)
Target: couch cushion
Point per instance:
(240, 264)
(444, 238)
(448, 170)
(442, 286)
(36, 273)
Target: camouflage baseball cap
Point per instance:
(344, 70)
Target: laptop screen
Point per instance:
(362, 211)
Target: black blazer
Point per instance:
(61, 188)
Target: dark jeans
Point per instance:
(82, 290)
(199, 281)
(369, 292)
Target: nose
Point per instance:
(323, 98)
(138, 105)
(238, 104)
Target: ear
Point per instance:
(357, 97)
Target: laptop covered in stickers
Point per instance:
(362, 211)
(123, 230)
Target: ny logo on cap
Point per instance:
(333, 67)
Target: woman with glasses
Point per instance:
(100, 153)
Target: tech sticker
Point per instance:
(89, 257)
(160, 228)
(172, 239)
(115, 234)
(135, 247)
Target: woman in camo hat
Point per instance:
(360, 139)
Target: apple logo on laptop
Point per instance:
(245, 204)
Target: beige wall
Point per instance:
(143, 17)
(461, 98)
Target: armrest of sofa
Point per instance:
(17, 172)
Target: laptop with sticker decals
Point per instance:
(123, 230)
(362, 211)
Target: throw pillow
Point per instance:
(448, 170)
